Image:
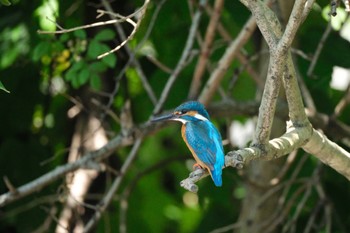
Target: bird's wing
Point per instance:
(205, 141)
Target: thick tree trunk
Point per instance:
(89, 135)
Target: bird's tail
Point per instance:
(216, 176)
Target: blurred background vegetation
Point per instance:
(48, 76)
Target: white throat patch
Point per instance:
(200, 117)
(183, 121)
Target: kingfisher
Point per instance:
(201, 137)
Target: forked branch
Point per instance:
(139, 14)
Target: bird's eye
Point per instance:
(181, 112)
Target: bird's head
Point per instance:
(191, 111)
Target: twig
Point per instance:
(51, 213)
(227, 228)
(328, 208)
(288, 163)
(108, 111)
(309, 102)
(127, 39)
(10, 186)
(45, 226)
(292, 26)
(183, 58)
(312, 182)
(246, 65)
(128, 190)
(62, 170)
(98, 24)
(132, 60)
(120, 19)
(279, 216)
(345, 100)
(307, 9)
(225, 61)
(242, 57)
(206, 49)
(319, 48)
(159, 64)
(105, 202)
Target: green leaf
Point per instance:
(95, 81)
(81, 34)
(83, 76)
(64, 37)
(105, 35)
(43, 48)
(96, 48)
(70, 75)
(78, 65)
(110, 60)
(72, 72)
(58, 46)
(5, 2)
(75, 83)
(98, 67)
(2, 87)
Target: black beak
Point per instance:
(163, 118)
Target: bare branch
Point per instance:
(261, 14)
(292, 27)
(225, 61)
(319, 49)
(294, 98)
(206, 49)
(183, 58)
(140, 13)
(62, 170)
(132, 59)
(276, 148)
(329, 153)
(104, 203)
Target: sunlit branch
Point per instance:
(119, 19)
(278, 147)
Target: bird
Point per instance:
(201, 137)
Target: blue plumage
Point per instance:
(201, 137)
(204, 141)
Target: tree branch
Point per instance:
(329, 153)
(275, 148)
(206, 49)
(62, 170)
(224, 63)
(184, 56)
(140, 13)
(104, 203)
(300, 132)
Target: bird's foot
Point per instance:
(196, 166)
